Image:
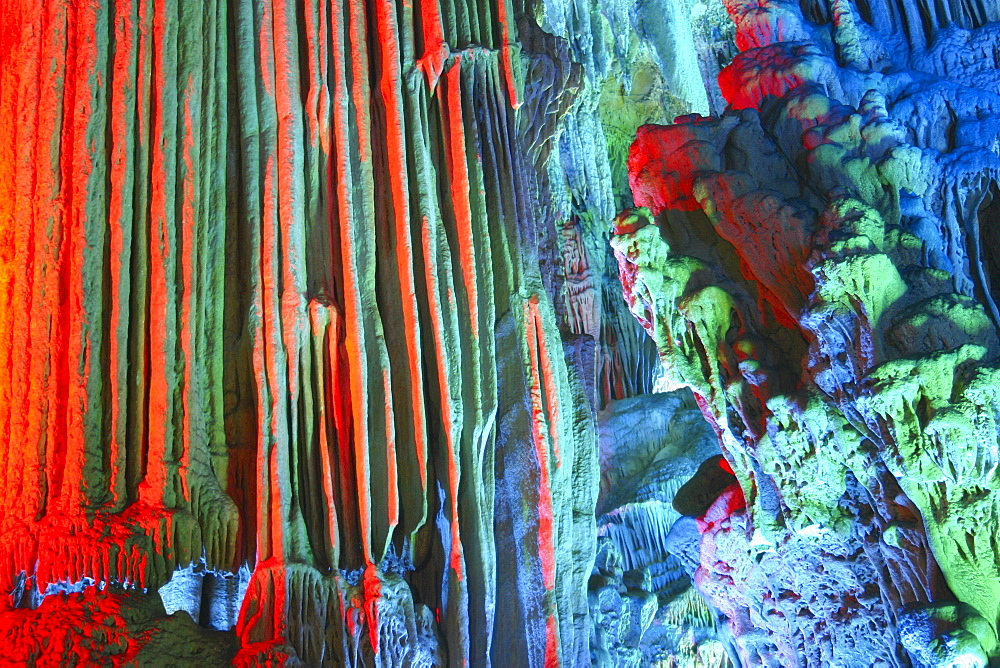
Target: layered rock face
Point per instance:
(313, 348)
(817, 265)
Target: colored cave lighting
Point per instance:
(514, 333)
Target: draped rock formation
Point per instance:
(270, 297)
(313, 348)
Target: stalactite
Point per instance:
(313, 350)
(265, 251)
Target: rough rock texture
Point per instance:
(650, 445)
(109, 627)
(313, 351)
(270, 296)
(323, 290)
(817, 265)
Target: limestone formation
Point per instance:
(313, 349)
(270, 299)
(815, 264)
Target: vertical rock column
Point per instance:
(382, 217)
(111, 212)
(264, 301)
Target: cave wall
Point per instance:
(312, 324)
(308, 312)
(813, 264)
(271, 297)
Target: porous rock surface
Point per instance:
(816, 264)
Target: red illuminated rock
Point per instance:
(264, 303)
